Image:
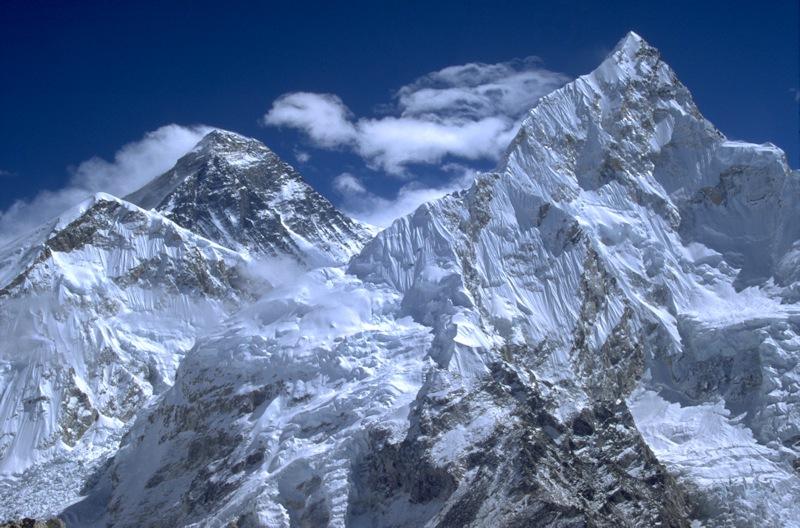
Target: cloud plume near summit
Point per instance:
(134, 164)
(469, 111)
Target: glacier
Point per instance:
(602, 330)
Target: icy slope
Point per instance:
(552, 289)
(100, 304)
(96, 309)
(318, 407)
(267, 413)
(237, 192)
(623, 241)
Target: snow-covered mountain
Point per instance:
(626, 251)
(605, 330)
(99, 305)
(235, 191)
(96, 310)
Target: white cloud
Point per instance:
(324, 117)
(379, 211)
(391, 143)
(134, 165)
(302, 156)
(6, 174)
(477, 90)
(470, 111)
(347, 183)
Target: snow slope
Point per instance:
(624, 242)
(266, 413)
(96, 309)
(100, 304)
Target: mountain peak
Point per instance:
(235, 191)
(231, 148)
(631, 43)
(220, 140)
(633, 58)
(220, 134)
(631, 104)
(619, 299)
(618, 196)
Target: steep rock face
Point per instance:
(96, 309)
(497, 455)
(624, 243)
(237, 192)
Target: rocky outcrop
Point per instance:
(525, 467)
(33, 523)
(105, 301)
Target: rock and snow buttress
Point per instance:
(98, 306)
(602, 331)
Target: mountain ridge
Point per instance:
(630, 208)
(106, 299)
(603, 330)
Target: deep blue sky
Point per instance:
(83, 78)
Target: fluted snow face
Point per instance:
(237, 192)
(96, 310)
(624, 241)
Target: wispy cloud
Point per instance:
(302, 156)
(470, 111)
(380, 211)
(6, 174)
(346, 183)
(133, 165)
(324, 117)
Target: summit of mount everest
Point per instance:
(237, 192)
(603, 330)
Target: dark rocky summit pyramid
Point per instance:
(237, 192)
